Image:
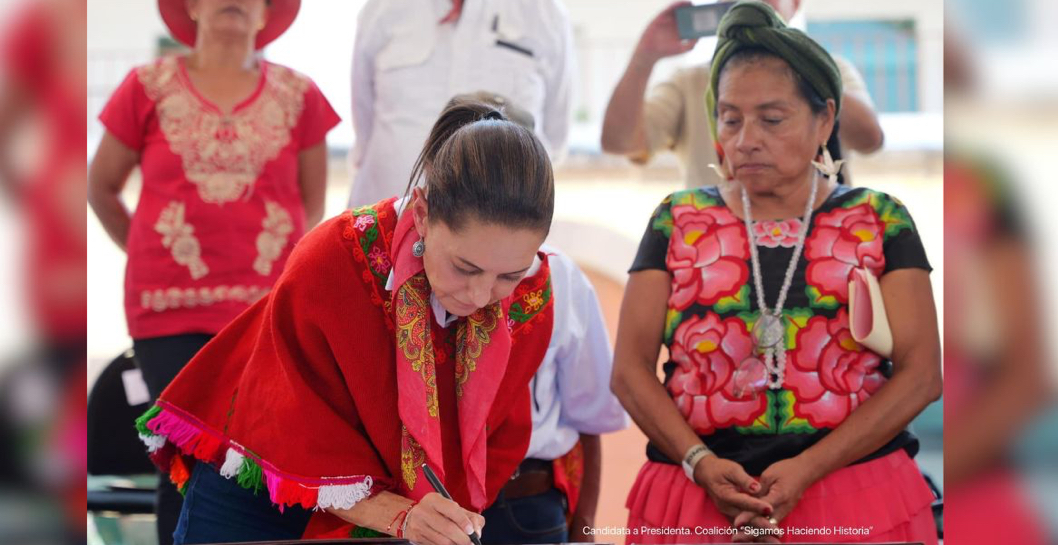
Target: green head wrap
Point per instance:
(755, 24)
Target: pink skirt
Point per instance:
(992, 508)
(883, 500)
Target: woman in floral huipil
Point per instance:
(232, 151)
(787, 428)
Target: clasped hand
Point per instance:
(774, 496)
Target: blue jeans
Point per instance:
(532, 519)
(218, 510)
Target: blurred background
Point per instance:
(967, 95)
(1001, 426)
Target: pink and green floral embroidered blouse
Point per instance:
(712, 307)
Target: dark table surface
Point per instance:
(393, 541)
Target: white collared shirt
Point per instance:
(407, 66)
(570, 393)
(444, 319)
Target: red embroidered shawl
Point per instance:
(299, 395)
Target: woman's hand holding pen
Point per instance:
(439, 521)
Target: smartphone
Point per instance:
(698, 21)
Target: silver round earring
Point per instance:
(418, 248)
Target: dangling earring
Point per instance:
(829, 167)
(727, 180)
(721, 172)
(419, 248)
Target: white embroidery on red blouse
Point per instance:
(161, 300)
(224, 154)
(179, 237)
(276, 227)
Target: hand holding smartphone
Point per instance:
(694, 22)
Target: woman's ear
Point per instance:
(419, 211)
(826, 121)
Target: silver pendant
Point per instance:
(768, 331)
(751, 378)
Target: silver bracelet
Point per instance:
(692, 457)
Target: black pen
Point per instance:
(440, 489)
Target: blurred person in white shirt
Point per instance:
(412, 56)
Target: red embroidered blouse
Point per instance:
(220, 207)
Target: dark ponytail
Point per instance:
(478, 164)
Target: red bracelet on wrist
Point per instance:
(403, 516)
(400, 515)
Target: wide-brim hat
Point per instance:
(281, 14)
